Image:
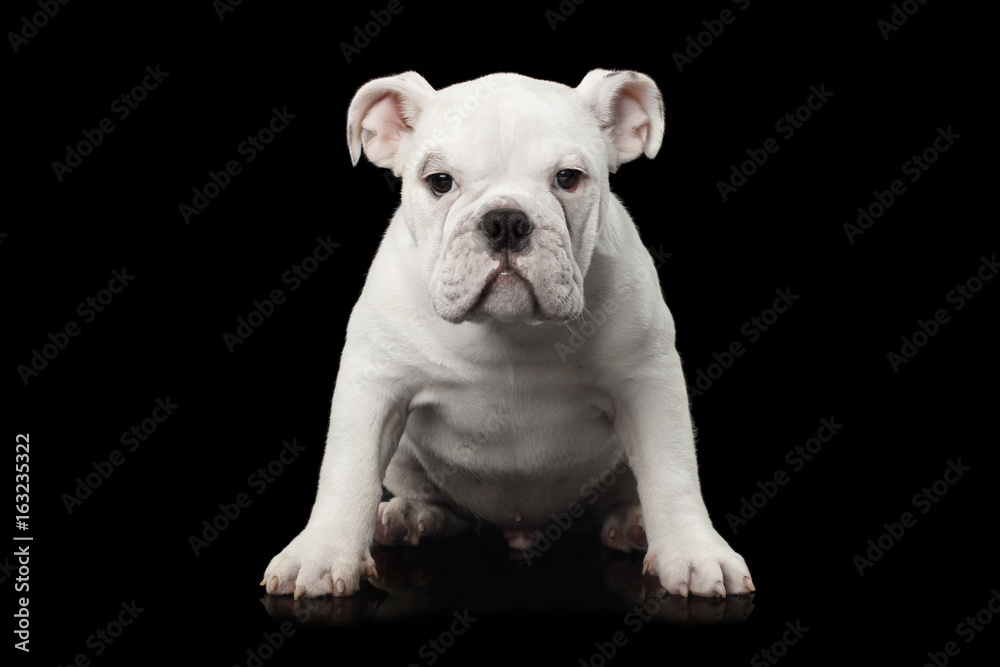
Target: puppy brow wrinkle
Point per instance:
(431, 163)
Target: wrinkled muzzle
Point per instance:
(507, 260)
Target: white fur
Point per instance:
(462, 396)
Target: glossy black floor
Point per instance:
(573, 575)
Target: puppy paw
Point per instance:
(705, 567)
(405, 521)
(312, 566)
(622, 529)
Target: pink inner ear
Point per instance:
(381, 129)
(631, 127)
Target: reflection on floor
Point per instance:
(574, 574)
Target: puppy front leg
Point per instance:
(653, 422)
(331, 555)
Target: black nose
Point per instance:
(507, 228)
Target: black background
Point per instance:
(825, 358)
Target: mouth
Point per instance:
(505, 278)
(506, 295)
(503, 274)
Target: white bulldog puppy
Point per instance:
(511, 345)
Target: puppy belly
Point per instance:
(512, 447)
(507, 487)
(528, 502)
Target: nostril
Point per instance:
(490, 226)
(522, 227)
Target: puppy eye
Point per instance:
(568, 179)
(441, 183)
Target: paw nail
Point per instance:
(719, 590)
(749, 584)
(341, 587)
(611, 534)
(683, 590)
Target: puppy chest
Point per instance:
(503, 427)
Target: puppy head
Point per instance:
(505, 180)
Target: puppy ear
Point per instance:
(629, 108)
(381, 113)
